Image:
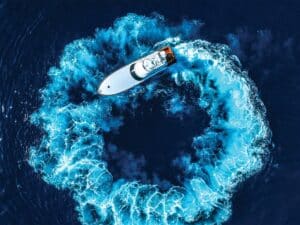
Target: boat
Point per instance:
(137, 72)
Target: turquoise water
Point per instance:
(71, 152)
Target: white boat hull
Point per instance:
(126, 77)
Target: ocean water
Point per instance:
(211, 141)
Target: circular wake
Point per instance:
(73, 152)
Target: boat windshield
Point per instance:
(153, 62)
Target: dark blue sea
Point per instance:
(69, 156)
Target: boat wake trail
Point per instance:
(72, 153)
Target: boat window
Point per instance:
(152, 63)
